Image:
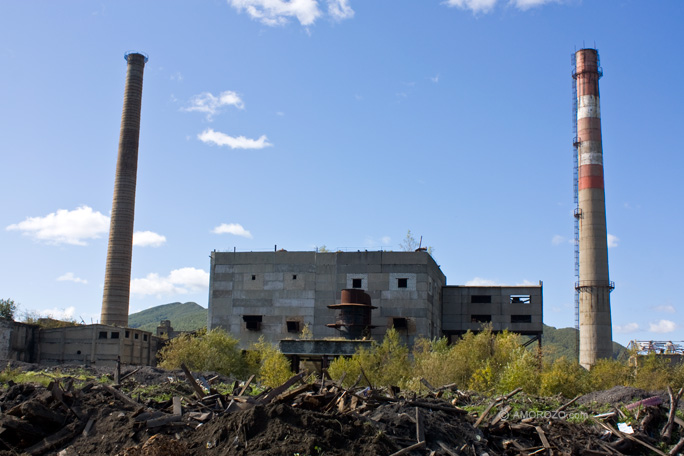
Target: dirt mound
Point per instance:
(618, 395)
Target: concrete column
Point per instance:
(594, 283)
(118, 273)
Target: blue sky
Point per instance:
(341, 123)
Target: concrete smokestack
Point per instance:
(594, 285)
(117, 285)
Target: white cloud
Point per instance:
(177, 76)
(486, 6)
(526, 283)
(278, 12)
(65, 227)
(480, 282)
(558, 239)
(148, 239)
(340, 9)
(58, 314)
(232, 228)
(476, 6)
(386, 240)
(625, 329)
(211, 105)
(179, 281)
(666, 309)
(663, 326)
(527, 4)
(613, 240)
(70, 277)
(435, 78)
(221, 139)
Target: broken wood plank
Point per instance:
(420, 429)
(446, 449)
(427, 384)
(192, 382)
(125, 376)
(630, 437)
(677, 448)
(542, 437)
(55, 440)
(409, 449)
(370, 385)
(289, 395)
(121, 396)
(666, 433)
(156, 422)
(275, 392)
(486, 411)
(245, 386)
(443, 408)
(499, 416)
(177, 407)
(88, 426)
(566, 405)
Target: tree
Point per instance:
(7, 309)
(323, 249)
(409, 244)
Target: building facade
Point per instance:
(275, 294)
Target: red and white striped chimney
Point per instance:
(594, 284)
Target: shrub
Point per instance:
(607, 373)
(271, 366)
(522, 371)
(564, 377)
(214, 351)
(653, 372)
(383, 364)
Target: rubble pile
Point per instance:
(320, 417)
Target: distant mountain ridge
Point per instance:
(561, 342)
(184, 316)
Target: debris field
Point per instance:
(320, 417)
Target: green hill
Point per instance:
(563, 342)
(187, 316)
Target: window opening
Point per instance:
(252, 322)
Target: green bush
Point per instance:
(214, 351)
(653, 373)
(383, 364)
(564, 377)
(271, 366)
(607, 373)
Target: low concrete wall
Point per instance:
(18, 341)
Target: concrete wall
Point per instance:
(18, 341)
(278, 287)
(507, 307)
(98, 345)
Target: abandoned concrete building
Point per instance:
(275, 294)
(100, 345)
